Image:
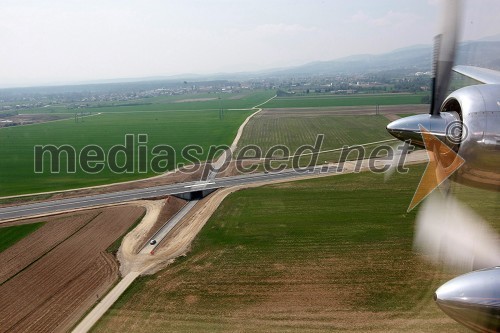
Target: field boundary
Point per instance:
(235, 141)
(242, 127)
(50, 250)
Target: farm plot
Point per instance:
(344, 100)
(244, 100)
(267, 130)
(346, 111)
(28, 250)
(53, 275)
(11, 235)
(294, 128)
(176, 129)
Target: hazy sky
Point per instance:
(68, 40)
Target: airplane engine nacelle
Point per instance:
(479, 110)
(473, 299)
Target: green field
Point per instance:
(175, 128)
(198, 102)
(11, 235)
(179, 121)
(266, 130)
(323, 255)
(197, 123)
(344, 100)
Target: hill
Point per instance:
(416, 58)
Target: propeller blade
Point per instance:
(444, 53)
(447, 231)
(444, 56)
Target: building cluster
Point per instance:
(98, 95)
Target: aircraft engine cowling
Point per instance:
(473, 299)
(478, 108)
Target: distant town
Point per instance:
(15, 100)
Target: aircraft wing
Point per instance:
(482, 75)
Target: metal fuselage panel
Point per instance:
(480, 146)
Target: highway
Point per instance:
(54, 206)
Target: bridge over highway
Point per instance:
(188, 191)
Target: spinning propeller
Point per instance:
(447, 231)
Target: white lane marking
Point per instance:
(141, 193)
(201, 184)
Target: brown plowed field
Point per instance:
(51, 277)
(33, 247)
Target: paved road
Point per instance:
(137, 194)
(46, 207)
(167, 227)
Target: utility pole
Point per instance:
(221, 110)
